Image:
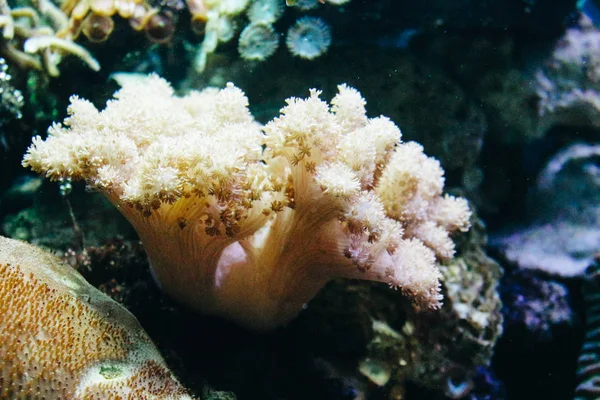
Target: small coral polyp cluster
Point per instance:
(94, 18)
(36, 37)
(308, 38)
(47, 32)
(250, 222)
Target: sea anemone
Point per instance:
(308, 38)
(258, 41)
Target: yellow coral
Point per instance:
(252, 234)
(62, 339)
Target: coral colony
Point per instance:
(202, 208)
(250, 222)
(40, 35)
(64, 339)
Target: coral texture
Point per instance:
(249, 233)
(60, 338)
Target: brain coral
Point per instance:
(61, 339)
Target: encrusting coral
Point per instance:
(61, 339)
(253, 234)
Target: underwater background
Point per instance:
(504, 94)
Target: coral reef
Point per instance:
(403, 354)
(256, 246)
(38, 36)
(333, 334)
(258, 221)
(201, 349)
(63, 339)
(309, 37)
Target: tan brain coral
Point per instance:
(62, 339)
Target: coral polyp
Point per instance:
(160, 27)
(97, 28)
(309, 38)
(258, 41)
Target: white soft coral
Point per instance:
(252, 234)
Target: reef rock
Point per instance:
(60, 338)
(561, 234)
(568, 83)
(394, 347)
(445, 351)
